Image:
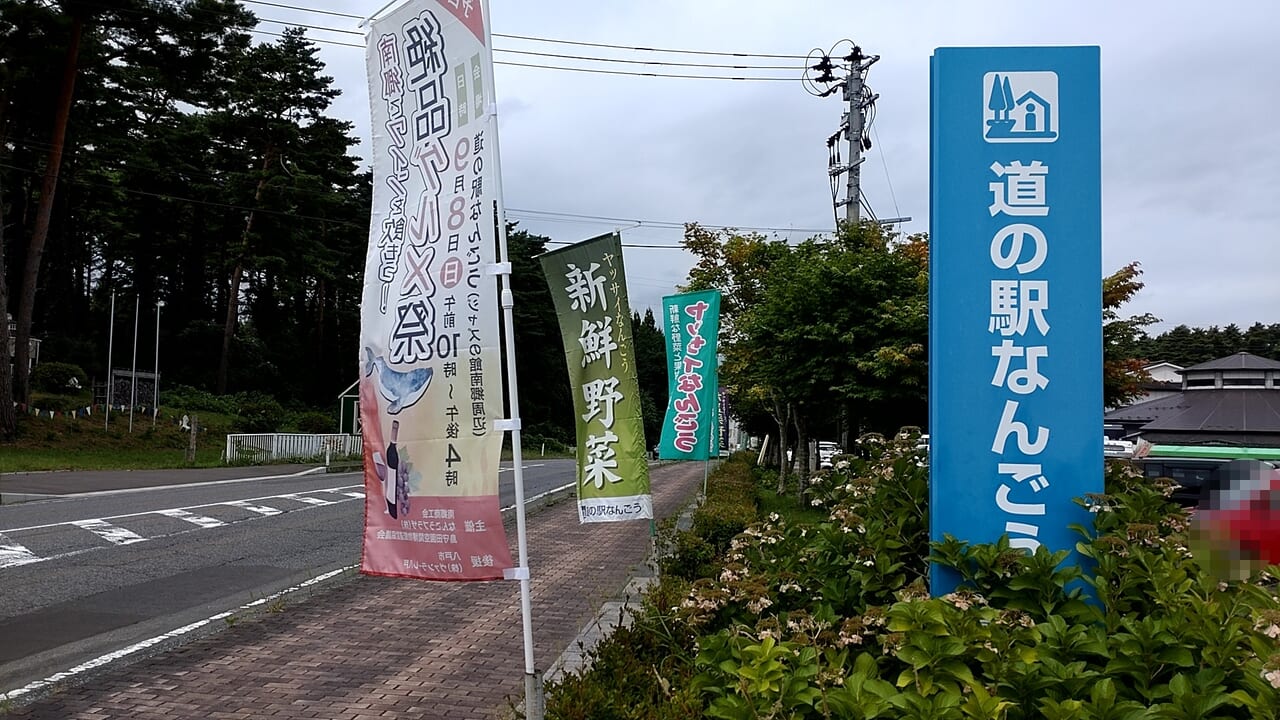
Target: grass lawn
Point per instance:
(67, 443)
(89, 443)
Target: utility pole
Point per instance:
(853, 125)
(854, 128)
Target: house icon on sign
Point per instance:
(1027, 115)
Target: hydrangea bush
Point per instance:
(834, 619)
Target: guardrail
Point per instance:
(273, 447)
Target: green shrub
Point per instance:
(61, 402)
(311, 422)
(189, 399)
(833, 619)
(690, 557)
(58, 377)
(730, 505)
(259, 413)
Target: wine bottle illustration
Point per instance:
(402, 486)
(391, 482)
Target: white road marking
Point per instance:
(113, 534)
(201, 520)
(144, 644)
(190, 507)
(253, 507)
(206, 483)
(354, 494)
(149, 642)
(12, 554)
(309, 500)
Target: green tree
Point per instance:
(8, 419)
(1122, 361)
(827, 333)
(174, 111)
(650, 348)
(546, 407)
(278, 93)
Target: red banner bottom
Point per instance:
(438, 538)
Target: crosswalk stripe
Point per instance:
(201, 520)
(308, 500)
(113, 534)
(12, 554)
(252, 507)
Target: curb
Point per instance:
(618, 612)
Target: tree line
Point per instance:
(151, 151)
(1188, 346)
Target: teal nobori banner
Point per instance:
(692, 322)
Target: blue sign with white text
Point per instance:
(1015, 296)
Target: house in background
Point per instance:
(1233, 400)
(1166, 380)
(1165, 373)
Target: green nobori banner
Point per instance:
(589, 288)
(692, 323)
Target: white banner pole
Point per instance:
(532, 682)
(111, 337)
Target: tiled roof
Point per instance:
(1228, 411)
(1239, 361)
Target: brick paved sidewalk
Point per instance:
(384, 648)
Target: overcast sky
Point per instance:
(1191, 127)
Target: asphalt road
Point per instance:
(84, 575)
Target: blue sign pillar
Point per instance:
(1015, 296)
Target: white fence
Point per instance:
(271, 447)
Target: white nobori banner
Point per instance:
(431, 384)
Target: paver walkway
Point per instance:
(384, 648)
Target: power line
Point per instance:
(571, 69)
(625, 245)
(645, 74)
(185, 171)
(887, 179)
(557, 41)
(646, 49)
(301, 9)
(193, 201)
(649, 62)
(538, 215)
(665, 224)
(311, 27)
(314, 40)
(338, 43)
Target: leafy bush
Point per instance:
(190, 399)
(61, 402)
(730, 505)
(532, 444)
(58, 377)
(834, 619)
(310, 421)
(259, 413)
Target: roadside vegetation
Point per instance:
(63, 430)
(772, 609)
